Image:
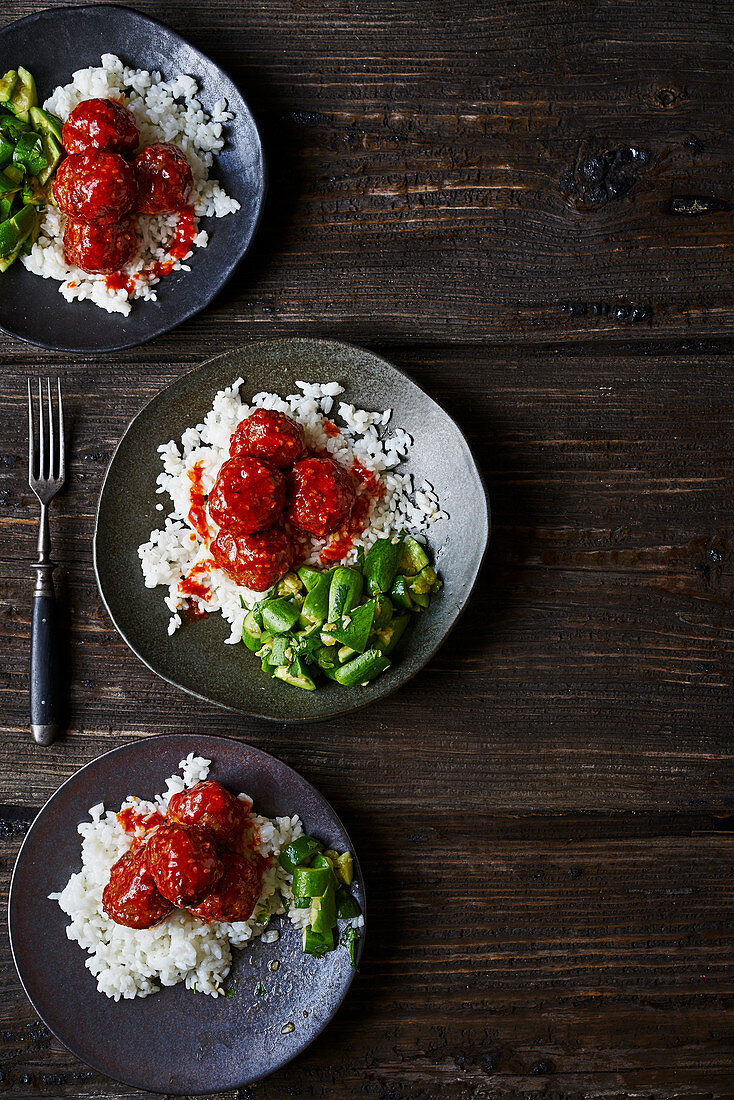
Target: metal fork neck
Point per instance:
(44, 567)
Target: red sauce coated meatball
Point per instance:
(212, 808)
(256, 561)
(247, 492)
(100, 124)
(100, 249)
(269, 435)
(184, 863)
(131, 896)
(164, 179)
(95, 187)
(321, 496)
(235, 895)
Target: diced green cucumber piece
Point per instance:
(316, 943)
(12, 127)
(43, 122)
(344, 868)
(6, 151)
(53, 152)
(322, 911)
(400, 593)
(13, 231)
(310, 577)
(252, 631)
(413, 558)
(24, 94)
(347, 906)
(344, 592)
(355, 626)
(279, 615)
(387, 639)
(5, 262)
(298, 852)
(7, 86)
(296, 675)
(381, 564)
(316, 605)
(362, 669)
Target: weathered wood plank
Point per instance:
(435, 167)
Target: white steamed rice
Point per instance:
(164, 111)
(128, 962)
(174, 550)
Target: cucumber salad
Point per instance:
(30, 152)
(342, 623)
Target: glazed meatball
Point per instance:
(100, 249)
(184, 863)
(321, 496)
(100, 124)
(235, 895)
(164, 179)
(95, 187)
(269, 435)
(255, 561)
(131, 896)
(212, 808)
(248, 493)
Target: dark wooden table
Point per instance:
(482, 193)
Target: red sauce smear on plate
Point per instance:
(130, 819)
(197, 515)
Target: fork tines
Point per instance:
(46, 466)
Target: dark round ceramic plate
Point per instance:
(195, 658)
(175, 1041)
(55, 43)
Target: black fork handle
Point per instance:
(45, 671)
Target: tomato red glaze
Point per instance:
(99, 249)
(96, 187)
(321, 496)
(197, 496)
(131, 896)
(131, 819)
(236, 893)
(248, 492)
(190, 586)
(184, 863)
(330, 428)
(119, 281)
(214, 809)
(164, 179)
(256, 561)
(269, 435)
(100, 124)
(183, 238)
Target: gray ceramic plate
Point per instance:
(195, 658)
(174, 1041)
(55, 43)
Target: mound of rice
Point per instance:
(128, 962)
(164, 111)
(347, 433)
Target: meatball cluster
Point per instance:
(102, 183)
(268, 495)
(196, 859)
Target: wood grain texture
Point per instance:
(419, 162)
(544, 814)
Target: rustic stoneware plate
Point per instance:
(195, 658)
(55, 43)
(175, 1041)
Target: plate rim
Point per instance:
(335, 713)
(124, 345)
(189, 737)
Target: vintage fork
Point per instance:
(46, 474)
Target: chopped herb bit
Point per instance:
(284, 901)
(350, 940)
(287, 1028)
(259, 990)
(229, 992)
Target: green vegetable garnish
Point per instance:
(299, 852)
(350, 940)
(259, 990)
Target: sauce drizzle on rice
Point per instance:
(387, 501)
